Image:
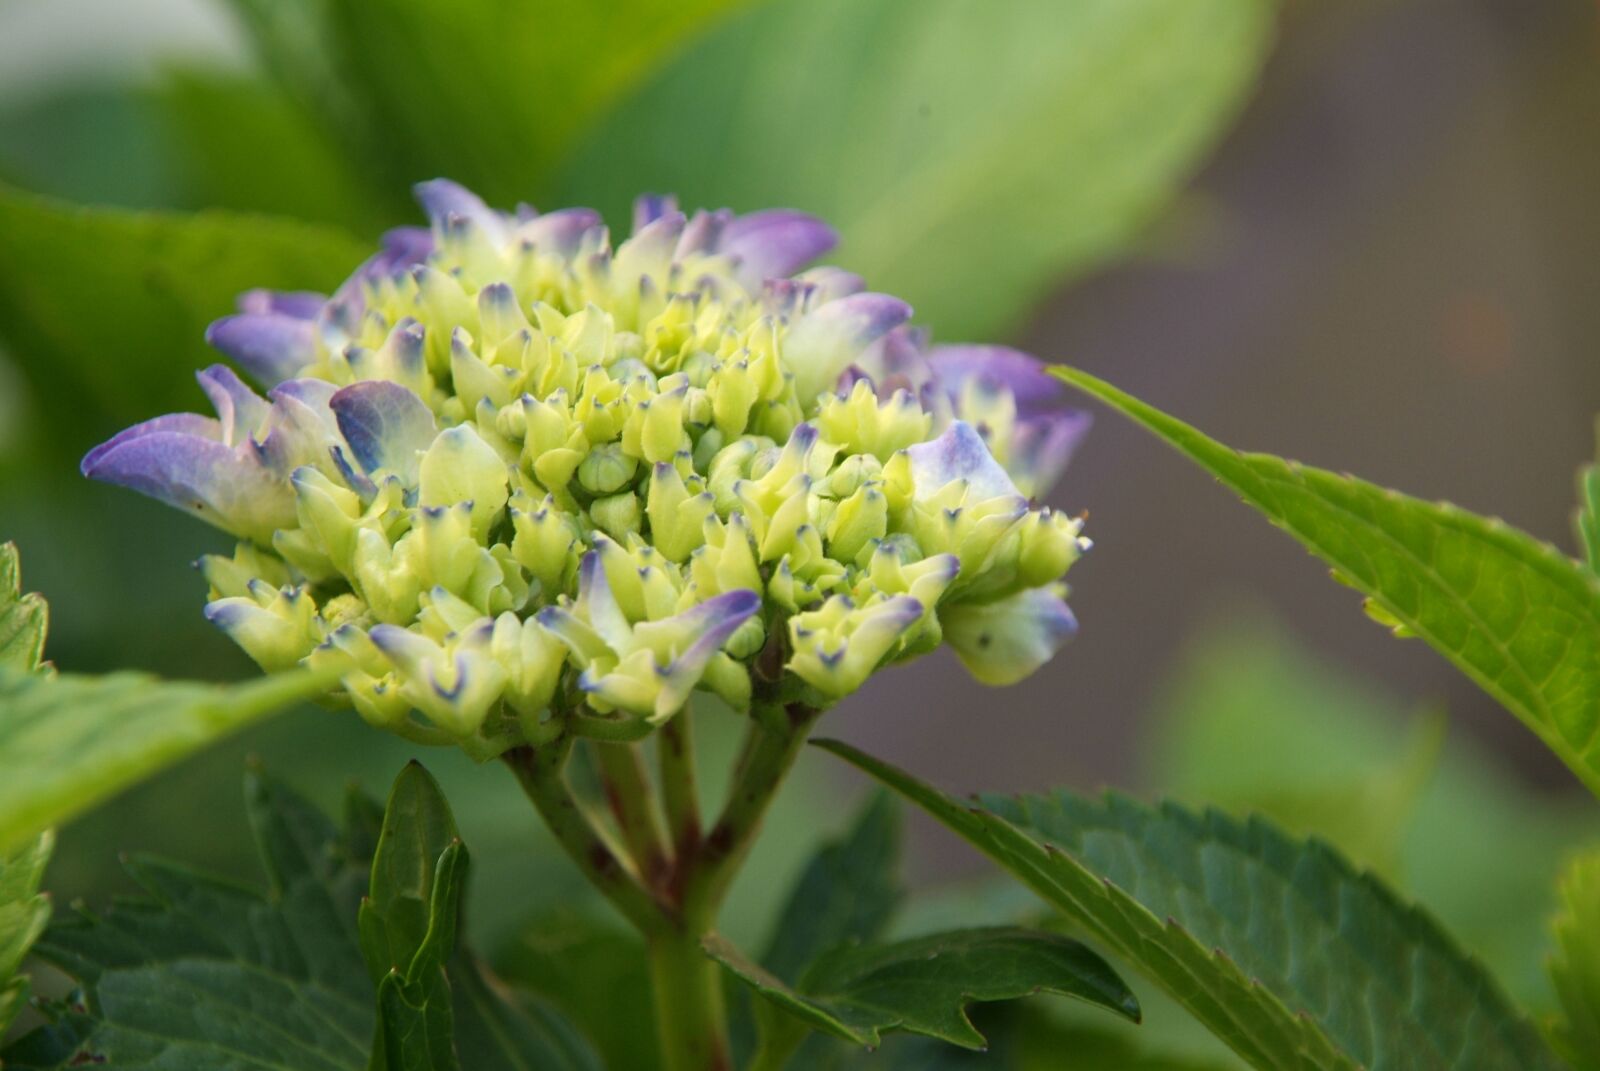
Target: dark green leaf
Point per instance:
(924, 985)
(1514, 614)
(970, 154)
(23, 618)
(416, 869)
(1575, 968)
(119, 301)
(70, 742)
(206, 975)
(24, 911)
(1283, 950)
(846, 894)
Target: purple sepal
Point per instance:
(1025, 376)
(1042, 446)
(649, 207)
(190, 424)
(385, 424)
(443, 200)
(959, 454)
(240, 409)
(271, 346)
(301, 304)
(774, 244)
(559, 232)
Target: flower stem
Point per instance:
(633, 803)
(675, 753)
(541, 772)
(691, 1019)
(773, 744)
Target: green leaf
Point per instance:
(24, 911)
(23, 618)
(846, 894)
(204, 974)
(1587, 520)
(68, 743)
(1514, 614)
(923, 985)
(491, 94)
(118, 301)
(970, 154)
(1575, 968)
(410, 875)
(1279, 947)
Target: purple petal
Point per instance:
(270, 346)
(301, 304)
(1042, 446)
(826, 341)
(191, 424)
(775, 243)
(959, 454)
(649, 207)
(444, 200)
(385, 424)
(714, 620)
(201, 475)
(559, 232)
(1025, 376)
(704, 232)
(238, 407)
(894, 362)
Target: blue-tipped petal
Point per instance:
(649, 207)
(442, 199)
(1042, 446)
(221, 486)
(714, 620)
(240, 409)
(300, 304)
(600, 604)
(270, 346)
(959, 454)
(774, 244)
(386, 425)
(189, 424)
(829, 339)
(559, 232)
(704, 232)
(1004, 642)
(1026, 377)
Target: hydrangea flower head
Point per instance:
(509, 471)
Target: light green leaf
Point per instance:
(24, 911)
(118, 301)
(491, 94)
(1575, 968)
(924, 984)
(23, 618)
(68, 743)
(970, 155)
(1288, 955)
(1514, 614)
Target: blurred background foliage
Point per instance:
(1358, 233)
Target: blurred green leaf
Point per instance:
(108, 308)
(1515, 615)
(1575, 968)
(1278, 946)
(68, 743)
(970, 155)
(23, 618)
(1336, 756)
(239, 143)
(923, 985)
(93, 141)
(491, 94)
(24, 911)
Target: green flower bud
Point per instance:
(616, 515)
(606, 469)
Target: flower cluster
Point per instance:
(507, 469)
